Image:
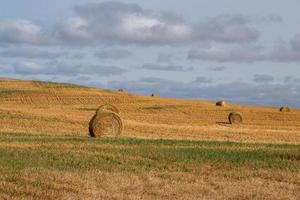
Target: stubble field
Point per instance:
(170, 148)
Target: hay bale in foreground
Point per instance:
(235, 118)
(285, 109)
(107, 108)
(106, 123)
(220, 103)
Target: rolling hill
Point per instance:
(56, 108)
(169, 149)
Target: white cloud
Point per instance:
(74, 30)
(123, 23)
(117, 22)
(21, 31)
(147, 29)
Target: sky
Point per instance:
(244, 52)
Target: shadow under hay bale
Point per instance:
(107, 108)
(220, 103)
(285, 109)
(235, 118)
(105, 124)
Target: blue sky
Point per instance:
(241, 51)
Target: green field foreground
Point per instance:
(65, 167)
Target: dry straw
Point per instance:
(109, 124)
(107, 108)
(106, 121)
(235, 118)
(220, 103)
(285, 109)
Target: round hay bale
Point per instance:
(285, 109)
(235, 118)
(107, 108)
(220, 103)
(120, 90)
(107, 123)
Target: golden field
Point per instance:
(58, 114)
(52, 108)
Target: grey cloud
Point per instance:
(239, 92)
(77, 56)
(178, 68)
(295, 42)
(227, 28)
(282, 52)
(22, 31)
(113, 54)
(124, 23)
(26, 67)
(31, 53)
(74, 31)
(218, 69)
(164, 58)
(231, 20)
(63, 69)
(247, 55)
(272, 18)
(291, 80)
(5, 68)
(203, 80)
(115, 22)
(285, 52)
(83, 78)
(263, 78)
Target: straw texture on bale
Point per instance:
(285, 109)
(107, 108)
(106, 123)
(235, 118)
(220, 103)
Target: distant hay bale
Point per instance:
(220, 103)
(153, 95)
(285, 109)
(106, 123)
(120, 90)
(235, 118)
(107, 107)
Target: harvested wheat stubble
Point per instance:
(107, 108)
(220, 103)
(235, 118)
(106, 123)
(285, 109)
